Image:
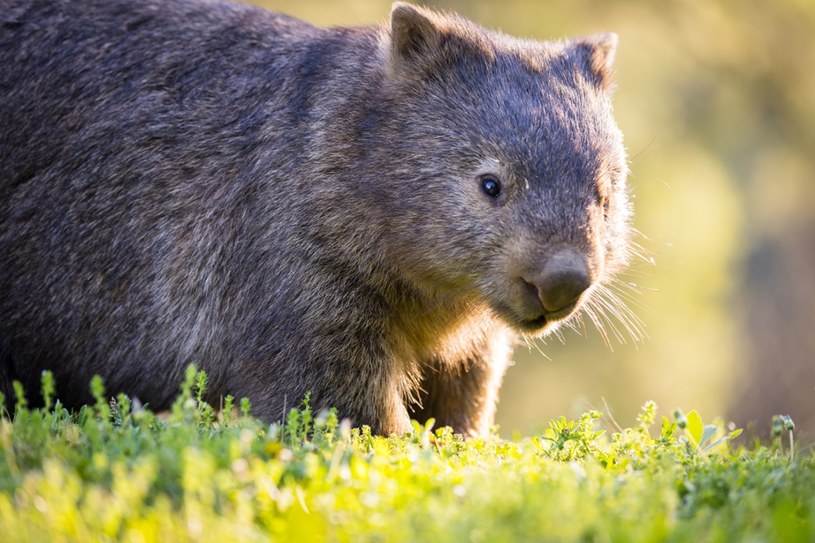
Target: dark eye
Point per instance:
(491, 185)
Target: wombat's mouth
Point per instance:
(534, 325)
(547, 320)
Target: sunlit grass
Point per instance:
(115, 471)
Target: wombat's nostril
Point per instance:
(562, 280)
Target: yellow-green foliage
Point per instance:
(117, 472)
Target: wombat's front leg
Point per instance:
(462, 395)
(359, 383)
(376, 401)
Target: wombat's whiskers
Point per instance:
(637, 250)
(605, 304)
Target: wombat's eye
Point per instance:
(490, 185)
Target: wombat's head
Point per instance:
(510, 169)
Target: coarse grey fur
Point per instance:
(292, 208)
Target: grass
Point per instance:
(115, 471)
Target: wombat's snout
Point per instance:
(560, 282)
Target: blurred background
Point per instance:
(717, 104)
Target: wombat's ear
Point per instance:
(415, 36)
(600, 50)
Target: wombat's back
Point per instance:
(131, 71)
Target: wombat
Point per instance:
(373, 215)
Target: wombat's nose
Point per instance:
(562, 280)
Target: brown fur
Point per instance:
(295, 209)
